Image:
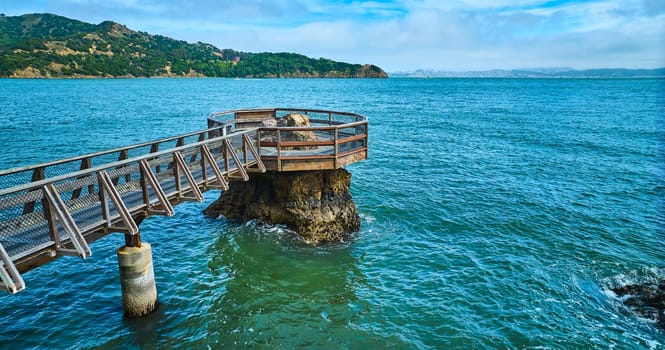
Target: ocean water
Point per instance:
(496, 213)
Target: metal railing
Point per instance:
(57, 215)
(21, 175)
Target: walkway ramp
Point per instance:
(55, 215)
(58, 208)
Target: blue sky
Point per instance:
(401, 34)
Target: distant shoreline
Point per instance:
(549, 73)
(343, 78)
(534, 78)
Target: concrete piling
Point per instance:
(137, 278)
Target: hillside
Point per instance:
(46, 45)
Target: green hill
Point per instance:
(46, 45)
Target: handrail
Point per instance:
(38, 184)
(233, 112)
(312, 128)
(341, 138)
(105, 152)
(119, 150)
(284, 109)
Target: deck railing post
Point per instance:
(245, 149)
(154, 149)
(37, 174)
(258, 141)
(336, 146)
(85, 164)
(122, 156)
(279, 150)
(225, 151)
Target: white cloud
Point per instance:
(403, 34)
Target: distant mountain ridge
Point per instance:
(47, 45)
(537, 73)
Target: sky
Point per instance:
(400, 35)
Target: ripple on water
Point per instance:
(495, 213)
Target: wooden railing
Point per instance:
(341, 138)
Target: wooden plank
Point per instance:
(270, 164)
(302, 128)
(326, 122)
(299, 143)
(351, 158)
(308, 157)
(352, 138)
(260, 115)
(353, 151)
(247, 125)
(296, 165)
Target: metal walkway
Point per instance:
(56, 209)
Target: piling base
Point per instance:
(137, 278)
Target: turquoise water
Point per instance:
(496, 213)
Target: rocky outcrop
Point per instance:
(316, 204)
(647, 300)
(371, 71)
(290, 120)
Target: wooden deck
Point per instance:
(56, 209)
(341, 138)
